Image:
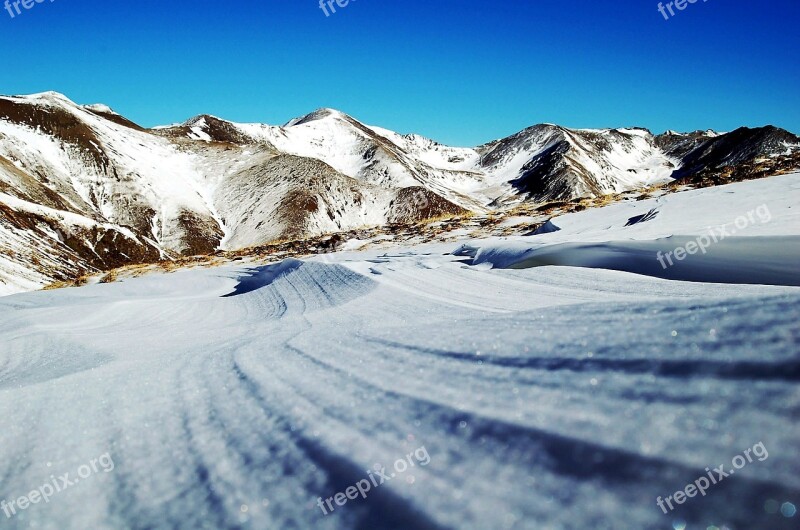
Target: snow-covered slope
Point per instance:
(738, 233)
(551, 397)
(377, 156)
(83, 188)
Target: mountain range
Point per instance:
(83, 188)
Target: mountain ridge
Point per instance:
(84, 188)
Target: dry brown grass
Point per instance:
(77, 282)
(445, 218)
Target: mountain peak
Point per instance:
(319, 114)
(49, 97)
(202, 120)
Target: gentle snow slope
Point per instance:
(740, 233)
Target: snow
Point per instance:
(547, 397)
(637, 164)
(380, 156)
(99, 107)
(319, 139)
(15, 278)
(199, 134)
(30, 207)
(746, 233)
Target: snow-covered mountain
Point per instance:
(83, 188)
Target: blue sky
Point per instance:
(462, 72)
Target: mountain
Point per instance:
(700, 151)
(548, 162)
(83, 188)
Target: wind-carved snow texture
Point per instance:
(547, 397)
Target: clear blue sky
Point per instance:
(460, 71)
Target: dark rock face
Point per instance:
(740, 146)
